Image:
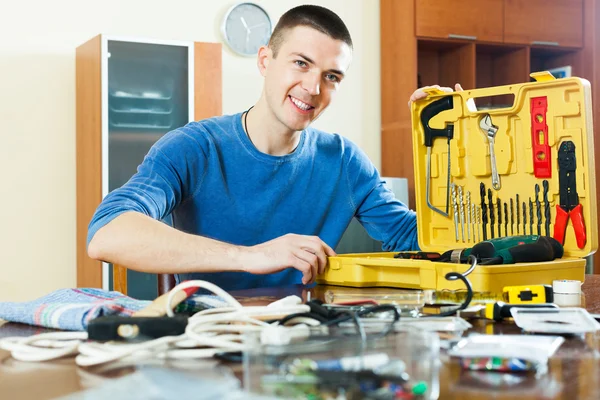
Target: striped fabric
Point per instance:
(70, 309)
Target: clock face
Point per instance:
(246, 28)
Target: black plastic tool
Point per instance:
(569, 206)
(430, 111)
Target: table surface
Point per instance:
(574, 370)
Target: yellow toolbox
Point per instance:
(483, 173)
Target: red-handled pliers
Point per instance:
(569, 206)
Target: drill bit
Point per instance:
(505, 219)
(462, 212)
(468, 216)
(492, 216)
(455, 207)
(478, 216)
(484, 216)
(524, 219)
(518, 215)
(499, 207)
(530, 216)
(538, 209)
(546, 206)
(474, 226)
(512, 217)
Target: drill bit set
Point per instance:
(506, 220)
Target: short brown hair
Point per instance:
(316, 17)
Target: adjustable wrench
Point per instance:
(490, 131)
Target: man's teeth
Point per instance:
(300, 105)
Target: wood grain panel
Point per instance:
(120, 278)
(559, 21)
(480, 19)
(458, 66)
(398, 81)
(208, 86)
(88, 154)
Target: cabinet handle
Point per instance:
(542, 43)
(465, 37)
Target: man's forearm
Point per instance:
(141, 243)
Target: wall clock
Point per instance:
(246, 27)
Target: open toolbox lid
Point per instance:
(549, 120)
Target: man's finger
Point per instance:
(311, 259)
(458, 88)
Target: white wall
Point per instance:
(37, 111)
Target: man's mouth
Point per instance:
(300, 105)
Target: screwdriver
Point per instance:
(499, 310)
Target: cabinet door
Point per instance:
(557, 22)
(148, 95)
(466, 19)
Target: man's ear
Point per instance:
(264, 56)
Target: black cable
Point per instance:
(452, 276)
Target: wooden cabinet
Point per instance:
(554, 22)
(129, 93)
(460, 19)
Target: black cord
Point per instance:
(246, 126)
(452, 276)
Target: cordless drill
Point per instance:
(508, 250)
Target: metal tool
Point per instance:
(490, 131)
(473, 226)
(505, 219)
(546, 186)
(524, 218)
(461, 207)
(499, 207)
(512, 217)
(569, 206)
(492, 216)
(483, 210)
(468, 205)
(530, 216)
(478, 216)
(518, 214)
(538, 209)
(430, 111)
(455, 207)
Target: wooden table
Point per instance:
(574, 371)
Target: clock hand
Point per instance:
(245, 24)
(256, 26)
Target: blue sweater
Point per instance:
(213, 181)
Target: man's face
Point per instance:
(301, 81)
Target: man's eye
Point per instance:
(301, 63)
(332, 78)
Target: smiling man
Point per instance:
(258, 198)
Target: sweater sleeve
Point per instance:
(383, 216)
(169, 173)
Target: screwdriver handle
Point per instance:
(430, 111)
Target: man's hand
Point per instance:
(308, 254)
(420, 93)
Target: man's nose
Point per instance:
(312, 83)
